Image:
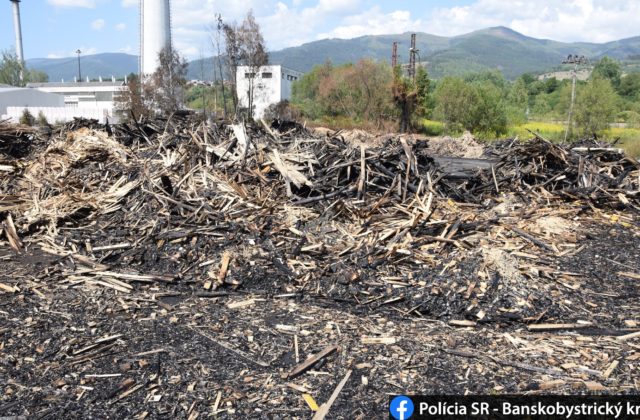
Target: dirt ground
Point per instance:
(66, 349)
(176, 271)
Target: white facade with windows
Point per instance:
(84, 94)
(272, 84)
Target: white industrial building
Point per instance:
(272, 84)
(84, 94)
(61, 102)
(15, 97)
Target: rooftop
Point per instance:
(75, 84)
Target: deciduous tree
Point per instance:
(595, 106)
(11, 67)
(163, 91)
(253, 53)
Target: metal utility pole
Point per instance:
(394, 55)
(575, 60)
(79, 72)
(412, 57)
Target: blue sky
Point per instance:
(56, 28)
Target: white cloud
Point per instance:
(84, 51)
(127, 50)
(573, 20)
(89, 4)
(291, 23)
(121, 26)
(374, 22)
(54, 55)
(97, 24)
(130, 3)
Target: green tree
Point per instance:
(358, 92)
(540, 108)
(595, 106)
(10, 69)
(423, 86)
(630, 86)
(36, 76)
(610, 69)
(411, 96)
(455, 103)
(306, 91)
(518, 101)
(495, 77)
(477, 107)
(489, 114)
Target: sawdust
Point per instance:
(504, 264)
(555, 225)
(464, 146)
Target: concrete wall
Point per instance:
(87, 97)
(61, 114)
(25, 97)
(288, 77)
(267, 90)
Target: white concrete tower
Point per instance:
(155, 33)
(18, 28)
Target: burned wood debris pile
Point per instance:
(234, 215)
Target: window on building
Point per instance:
(249, 75)
(267, 75)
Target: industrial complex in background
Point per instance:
(61, 101)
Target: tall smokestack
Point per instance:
(155, 33)
(18, 29)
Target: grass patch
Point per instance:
(629, 137)
(432, 128)
(550, 131)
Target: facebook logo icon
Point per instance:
(401, 408)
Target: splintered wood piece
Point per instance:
(629, 275)
(378, 340)
(610, 369)
(462, 323)
(124, 245)
(12, 235)
(324, 408)
(242, 354)
(7, 288)
(556, 327)
(224, 266)
(307, 364)
(628, 336)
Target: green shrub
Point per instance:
(42, 120)
(27, 118)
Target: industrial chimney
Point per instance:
(18, 29)
(155, 33)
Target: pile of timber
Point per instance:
(215, 208)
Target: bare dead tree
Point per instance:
(232, 58)
(253, 53)
(165, 88)
(215, 39)
(129, 102)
